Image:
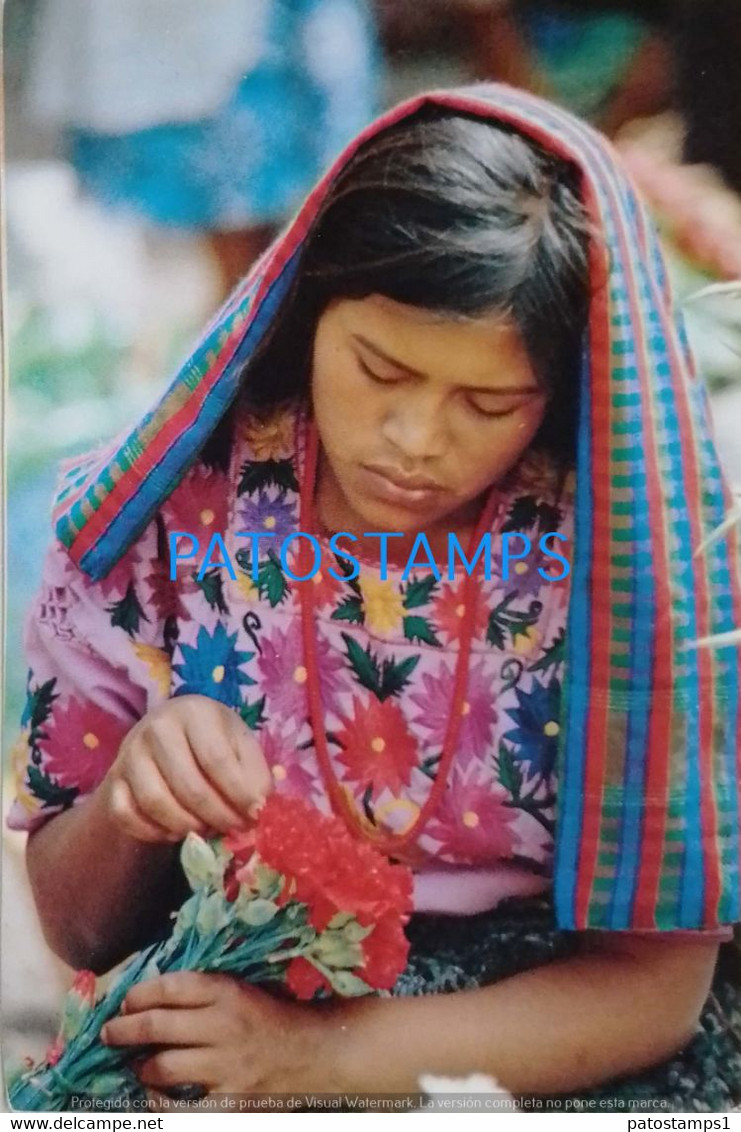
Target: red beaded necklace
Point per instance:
(388, 843)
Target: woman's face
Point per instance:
(417, 415)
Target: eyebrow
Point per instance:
(384, 357)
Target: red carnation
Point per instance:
(303, 979)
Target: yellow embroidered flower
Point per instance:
(158, 666)
(526, 642)
(271, 438)
(19, 759)
(384, 607)
(248, 591)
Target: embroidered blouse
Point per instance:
(102, 654)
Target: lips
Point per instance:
(406, 483)
(406, 492)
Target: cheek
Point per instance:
(489, 453)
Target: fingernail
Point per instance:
(104, 1035)
(124, 1007)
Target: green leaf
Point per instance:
(553, 655)
(350, 610)
(254, 911)
(419, 629)
(364, 665)
(212, 915)
(509, 773)
(494, 632)
(200, 863)
(127, 613)
(259, 474)
(38, 708)
(347, 984)
(271, 582)
(254, 714)
(395, 677)
(212, 587)
(47, 791)
(419, 592)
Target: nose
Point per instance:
(417, 430)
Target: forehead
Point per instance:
(482, 350)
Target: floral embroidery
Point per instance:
(213, 667)
(386, 652)
(377, 749)
(79, 743)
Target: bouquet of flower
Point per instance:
(298, 903)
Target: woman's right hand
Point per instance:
(190, 764)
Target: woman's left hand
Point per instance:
(217, 1032)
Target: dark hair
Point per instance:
(459, 216)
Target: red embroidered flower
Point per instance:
(200, 506)
(166, 595)
(473, 824)
(118, 580)
(449, 608)
(79, 744)
(377, 747)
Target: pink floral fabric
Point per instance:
(102, 654)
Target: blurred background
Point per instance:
(153, 148)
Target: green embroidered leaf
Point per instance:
(429, 766)
(211, 585)
(258, 474)
(350, 610)
(47, 791)
(419, 592)
(38, 705)
(127, 613)
(523, 514)
(419, 629)
(494, 632)
(346, 568)
(271, 581)
(553, 655)
(364, 665)
(254, 714)
(508, 772)
(395, 677)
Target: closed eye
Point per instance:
(374, 376)
(492, 414)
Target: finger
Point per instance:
(155, 801)
(180, 764)
(171, 1067)
(163, 1027)
(175, 989)
(254, 765)
(130, 818)
(219, 754)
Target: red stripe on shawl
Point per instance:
(693, 479)
(708, 813)
(596, 729)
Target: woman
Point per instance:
(468, 309)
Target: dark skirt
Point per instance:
(451, 953)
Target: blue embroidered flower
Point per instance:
(212, 667)
(535, 738)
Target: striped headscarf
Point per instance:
(648, 832)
